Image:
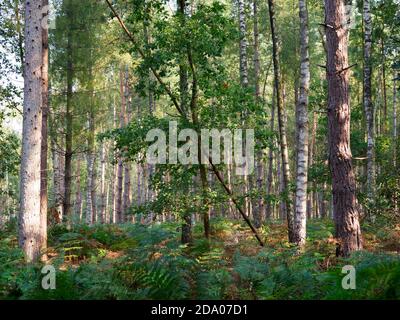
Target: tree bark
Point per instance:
(244, 78)
(44, 143)
(30, 239)
(300, 217)
(345, 209)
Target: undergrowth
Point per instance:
(134, 261)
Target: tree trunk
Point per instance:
(269, 207)
(244, 78)
(368, 105)
(127, 171)
(311, 196)
(300, 217)
(395, 135)
(259, 213)
(103, 192)
(345, 207)
(281, 122)
(68, 120)
(30, 218)
(120, 172)
(44, 143)
(78, 192)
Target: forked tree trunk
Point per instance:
(345, 208)
(300, 216)
(29, 216)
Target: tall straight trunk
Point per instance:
(114, 182)
(44, 143)
(385, 108)
(395, 141)
(68, 124)
(186, 236)
(345, 208)
(395, 135)
(259, 213)
(78, 191)
(29, 215)
(103, 193)
(126, 119)
(269, 208)
(368, 106)
(120, 171)
(300, 216)
(244, 78)
(281, 121)
(311, 196)
(147, 37)
(90, 157)
(58, 172)
(89, 188)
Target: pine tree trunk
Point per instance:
(345, 207)
(300, 217)
(29, 217)
(44, 143)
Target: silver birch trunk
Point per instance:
(300, 216)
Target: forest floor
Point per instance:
(133, 261)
